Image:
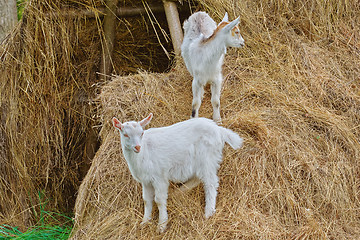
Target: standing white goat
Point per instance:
(181, 152)
(203, 50)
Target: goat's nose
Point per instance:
(137, 148)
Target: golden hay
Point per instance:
(292, 93)
(296, 177)
(48, 78)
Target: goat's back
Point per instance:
(183, 134)
(197, 24)
(192, 133)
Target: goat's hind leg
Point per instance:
(215, 100)
(198, 92)
(211, 184)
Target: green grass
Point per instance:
(50, 225)
(20, 8)
(40, 232)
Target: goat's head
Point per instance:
(132, 132)
(231, 31)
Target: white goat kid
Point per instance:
(203, 50)
(181, 152)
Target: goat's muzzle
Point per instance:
(137, 148)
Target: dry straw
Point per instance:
(48, 77)
(292, 93)
(45, 116)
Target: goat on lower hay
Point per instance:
(186, 151)
(203, 50)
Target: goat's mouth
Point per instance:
(136, 149)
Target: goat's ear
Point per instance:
(225, 19)
(117, 124)
(231, 25)
(146, 120)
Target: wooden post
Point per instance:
(8, 17)
(109, 36)
(172, 17)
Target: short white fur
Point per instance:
(181, 152)
(203, 50)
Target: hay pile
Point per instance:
(292, 93)
(44, 92)
(48, 78)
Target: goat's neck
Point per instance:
(129, 155)
(216, 46)
(133, 161)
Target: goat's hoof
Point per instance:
(145, 221)
(193, 114)
(161, 228)
(209, 213)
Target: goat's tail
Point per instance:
(200, 23)
(232, 138)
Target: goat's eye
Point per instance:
(125, 135)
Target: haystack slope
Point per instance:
(296, 176)
(292, 93)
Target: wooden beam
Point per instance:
(172, 17)
(130, 12)
(120, 12)
(109, 37)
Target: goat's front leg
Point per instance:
(161, 195)
(148, 196)
(198, 92)
(215, 99)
